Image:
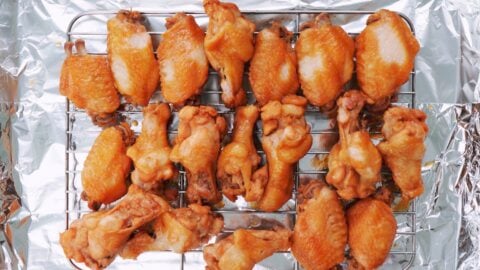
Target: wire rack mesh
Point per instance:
(91, 26)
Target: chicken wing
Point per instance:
(88, 82)
(325, 60)
(244, 248)
(286, 139)
(107, 166)
(197, 147)
(228, 45)
(239, 159)
(150, 153)
(320, 233)
(354, 162)
(179, 230)
(371, 231)
(182, 59)
(273, 69)
(97, 237)
(130, 54)
(385, 54)
(405, 131)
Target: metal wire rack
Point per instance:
(91, 26)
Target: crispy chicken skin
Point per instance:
(320, 233)
(97, 237)
(273, 69)
(385, 52)
(197, 147)
(286, 139)
(151, 151)
(228, 45)
(244, 248)
(371, 231)
(354, 162)
(325, 60)
(130, 54)
(88, 82)
(182, 59)
(239, 159)
(179, 230)
(403, 149)
(107, 166)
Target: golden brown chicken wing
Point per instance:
(371, 231)
(182, 59)
(239, 159)
(228, 45)
(96, 238)
(178, 230)
(286, 139)
(354, 162)
(405, 131)
(88, 82)
(244, 248)
(273, 69)
(197, 147)
(385, 54)
(130, 54)
(325, 60)
(107, 166)
(151, 151)
(320, 233)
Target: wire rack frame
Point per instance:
(71, 111)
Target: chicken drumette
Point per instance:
(96, 238)
(320, 233)
(385, 54)
(286, 139)
(325, 61)
(130, 53)
(403, 149)
(150, 153)
(228, 45)
(178, 230)
(273, 69)
(244, 248)
(107, 166)
(197, 147)
(88, 82)
(239, 159)
(182, 59)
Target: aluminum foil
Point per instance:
(32, 128)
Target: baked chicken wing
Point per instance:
(320, 233)
(371, 231)
(107, 166)
(273, 69)
(385, 54)
(182, 59)
(97, 237)
(403, 149)
(325, 60)
(151, 151)
(286, 139)
(88, 82)
(197, 147)
(244, 248)
(239, 159)
(179, 230)
(354, 162)
(228, 45)
(130, 54)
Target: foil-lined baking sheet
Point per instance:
(32, 128)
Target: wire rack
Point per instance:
(91, 26)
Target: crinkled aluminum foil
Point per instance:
(32, 127)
